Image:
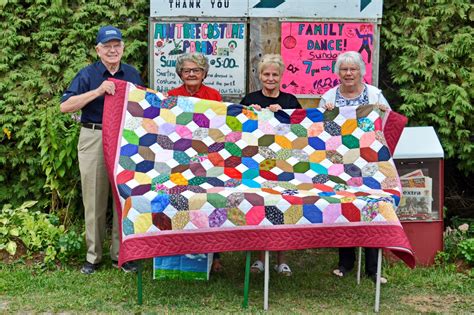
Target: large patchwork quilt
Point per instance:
(198, 176)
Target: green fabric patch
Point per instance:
(181, 157)
(299, 130)
(196, 181)
(127, 163)
(184, 118)
(350, 141)
(131, 136)
(233, 149)
(301, 167)
(233, 123)
(217, 200)
(266, 140)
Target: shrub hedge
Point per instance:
(426, 45)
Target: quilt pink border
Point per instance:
(383, 235)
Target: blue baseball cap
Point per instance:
(108, 33)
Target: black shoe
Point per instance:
(89, 268)
(126, 267)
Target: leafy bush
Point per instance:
(38, 232)
(466, 250)
(458, 244)
(428, 48)
(43, 45)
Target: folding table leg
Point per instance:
(139, 283)
(377, 284)
(266, 281)
(359, 264)
(245, 304)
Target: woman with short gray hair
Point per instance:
(270, 71)
(352, 91)
(192, 68)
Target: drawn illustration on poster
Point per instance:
(310, 51)
(222, 43)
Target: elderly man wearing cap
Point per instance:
(86, 93)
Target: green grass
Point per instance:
(311, 289)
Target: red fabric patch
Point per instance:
(232, 173)
(369, 155)
(298, 116)
(125, 176)
(294, 200)
(255, 215)
(268, 175)
(323, 187)
(351, 212)
(216, 159)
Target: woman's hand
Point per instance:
(328, 106)
(275, 107)
(256, 107)
(382, 107)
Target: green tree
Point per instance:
(43, 45)
(428, 47)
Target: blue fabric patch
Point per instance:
(312, 214)
(129, 150)
(316, 143)
(153, 99)
(384, 154)
(314, 115)
(250, 125)
(160, 203)
(371, 182)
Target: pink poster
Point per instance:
(310, 51)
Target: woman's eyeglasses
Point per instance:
(346, 70)
(194, 70)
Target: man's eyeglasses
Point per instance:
(109, 47)
(346, 70)
(194, 70)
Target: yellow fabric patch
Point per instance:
(317, 156)
(348, 127)
(283, 142)
(180, 219)
(387, 169)
(168, 115)
(197, 201)
(386, 209)
(218, 107)
(293, 214)
(142, 223)
(142, 178)
(202, 106)
(136, 95)
(178, 179)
